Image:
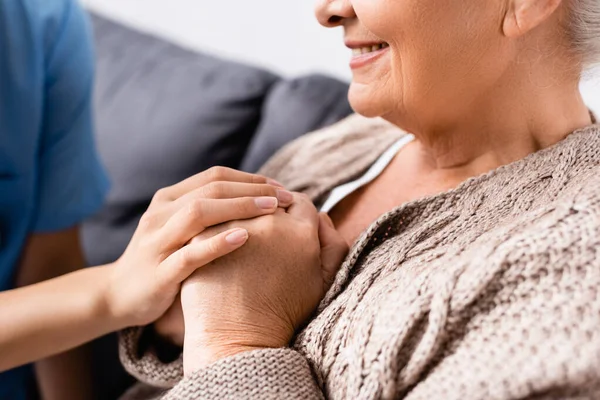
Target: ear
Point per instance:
(524, 15)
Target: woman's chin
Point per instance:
(365, 102)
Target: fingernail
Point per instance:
(273, 182)
(285, 197)
(266, 203)
(238, 237)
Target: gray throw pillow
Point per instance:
(293, 108)
(162, 114)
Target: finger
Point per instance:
(274, 182)
(214, 174)
(231, 190)
(333, 249)
(182, 263)
(216, 229)
(212, 231)
(156, 217)
(197, 215)
(303, 208)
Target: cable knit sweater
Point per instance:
(488, 291)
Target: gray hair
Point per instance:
(585, 30)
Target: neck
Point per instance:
(498, 128)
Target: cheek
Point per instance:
(434, 48)
(409, 28)
(440, 49)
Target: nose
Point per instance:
(332, 13)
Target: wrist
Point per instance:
(202, 348)
(197, 356)
(106, 307)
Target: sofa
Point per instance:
(164, 113)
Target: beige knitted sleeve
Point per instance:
(270, 374)
(262, 374)
(140, 359)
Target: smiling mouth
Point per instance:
(369, 49)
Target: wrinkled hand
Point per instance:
(147, 278)
(260, 295)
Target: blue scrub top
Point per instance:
(50, 174)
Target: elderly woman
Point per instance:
(474, 267)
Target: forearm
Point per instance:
(48, 318)
(67, 376)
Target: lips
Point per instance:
(364, 53)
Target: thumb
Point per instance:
(198, 253)
(333, 249)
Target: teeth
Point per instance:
(370, 49)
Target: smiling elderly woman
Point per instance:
(474, 267)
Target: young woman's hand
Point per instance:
(260, 295)
(145, 281)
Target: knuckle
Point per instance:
(196, 209)
(308, 234)
(307, 228)
(161, 195)
(258, 178)
(217, 173)
(217, 190)
(264, 225)
(209, 190)
(148, 220)
(270, 224)
(212, 246)
(186, 257)
(267, 190)
(196, 240)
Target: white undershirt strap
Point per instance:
(343, 191)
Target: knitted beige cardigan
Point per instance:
(488, 291)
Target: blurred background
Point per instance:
(281, 35)
(277, 34)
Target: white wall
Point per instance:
(591, 91)
(281, 35)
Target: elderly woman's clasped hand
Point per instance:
(260, 295)
(164, 236)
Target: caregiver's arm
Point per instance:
(139, 287)
(46, 256)
(56, 315)
(53, 316)
(70, 181)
